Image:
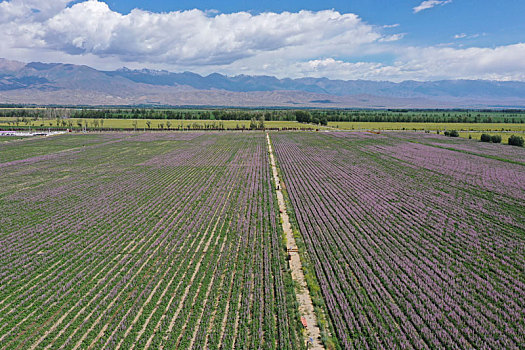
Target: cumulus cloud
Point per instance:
(431, 63)
(186, 37)
(500, 63)
(338, 69)
(31, 9)
(300, 44)
(428, 4)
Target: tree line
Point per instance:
(321, 117)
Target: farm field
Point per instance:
(414, 246)
(156, 124)
(137, 241)
(174, 240)
(30, 147)
(500, 151)
(428, 126)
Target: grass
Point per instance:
(464, 128)
(155, 123)
(427, 126)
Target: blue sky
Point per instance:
(501, 22)
(360, 39)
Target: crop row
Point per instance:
(413, 246)
(144, 241)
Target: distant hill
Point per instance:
(67, 84)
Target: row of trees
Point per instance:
(302, 116)
(514, 140)
(490, 138)
(57, 122)
(307, 117)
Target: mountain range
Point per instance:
(68, 84)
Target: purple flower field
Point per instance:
(414, 246)
(173, 241)
(142, 241)
(471, 146)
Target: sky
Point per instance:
(338, 39)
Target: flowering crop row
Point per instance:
(142, 241)
(472, 146)
(414, 246)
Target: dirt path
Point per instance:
(306, 307)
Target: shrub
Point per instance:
(485, 138)
(516, 141)
(452, 133)
(495, 139)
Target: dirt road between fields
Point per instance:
(306, 307)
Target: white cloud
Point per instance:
(31, 9)
(320, 44)
(431, 63)
(337, 69)
(394, 37)
(501, 63)
(428, 4)
(185, 37)
(465, 36)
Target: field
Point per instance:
(473, 129)
(142, 241)
(499, 151)
(155, 124)
(428, 126)
(151, 240)
(414, 245)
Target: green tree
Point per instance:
(485, 138)
(261, 123)
(303, 116)
(253, 124)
